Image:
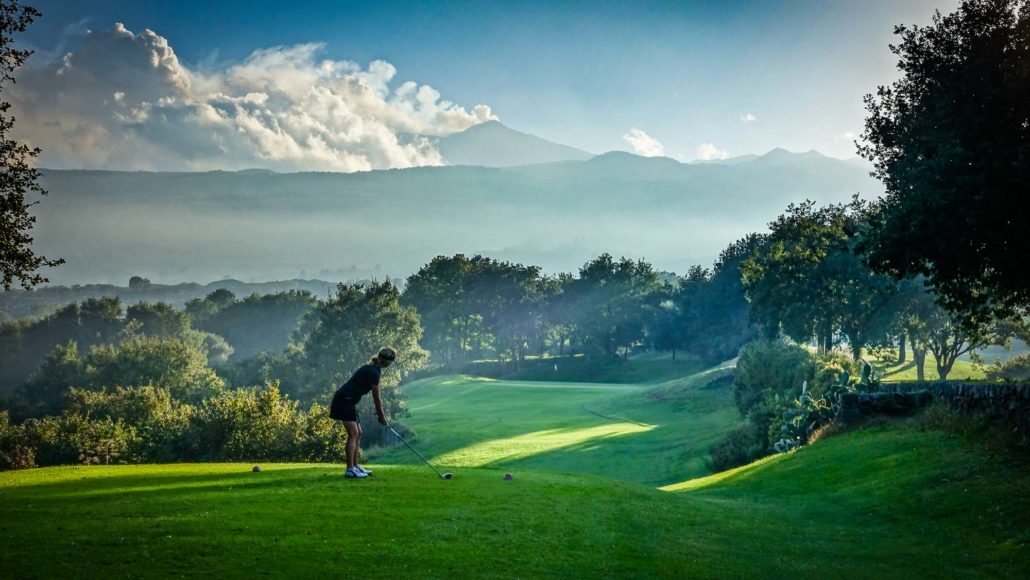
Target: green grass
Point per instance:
(652, 434)
(892, 501)
(889, 502)
(648, 369)
(963, 370)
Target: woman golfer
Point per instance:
(345, 405)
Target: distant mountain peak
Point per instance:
(627, 157)
(494, 144)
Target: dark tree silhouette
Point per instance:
(950, 142)
(18, 176)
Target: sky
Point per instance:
(345, 86)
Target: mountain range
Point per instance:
(558, 212)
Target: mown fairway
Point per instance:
(886, 502)
(655, 434)
(889, 501)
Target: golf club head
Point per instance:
(447, 475)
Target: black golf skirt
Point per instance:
(344, 409)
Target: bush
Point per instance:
(770, 365)
(68, 439)
(161, 421)
(1017, 367)
(144, 424)
(739, 447)
(262, 424)
(782, 412)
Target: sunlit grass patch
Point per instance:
(724, 476)
(521, 446)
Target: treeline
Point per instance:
(805, 280)
(809, 280)
(146, 388)
(19, 303)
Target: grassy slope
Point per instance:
(888, 502)
(655, 435)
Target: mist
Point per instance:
(259, 225)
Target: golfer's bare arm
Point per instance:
(379, 404)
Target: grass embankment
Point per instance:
(886, 502)
(653, 434)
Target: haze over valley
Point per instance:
(259, 225)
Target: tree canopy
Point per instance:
(950, 140)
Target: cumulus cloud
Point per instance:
(709, 152)
(748, 118)
(847, 136)
(124, 100)
(644, 144)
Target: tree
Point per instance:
(714, 312)
(558, 311)
(614, 301)
(158, 319)
(18, 175)
(258, 323)
(25, 343)
(352, 326)
(46, 389)
(168, 363)
(139, 283)
(807, 279)
(477, 305)
(951, 142)
(438, 292)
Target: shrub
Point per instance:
(739, 447)
(1017, 367)
(263, 424)
(69, 439)
(770, 365)
(161, 421)
(142, 424)
(323, 440)
(787, 394)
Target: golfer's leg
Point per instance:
(352, 442)
(357, 444)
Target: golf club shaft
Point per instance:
(394, 431)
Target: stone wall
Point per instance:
(1004, 402)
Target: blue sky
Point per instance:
(581, 73)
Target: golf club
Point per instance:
(447, 475)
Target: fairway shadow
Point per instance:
(91, 485)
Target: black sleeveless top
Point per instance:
(360, 383)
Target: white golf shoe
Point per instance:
(355, 472)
